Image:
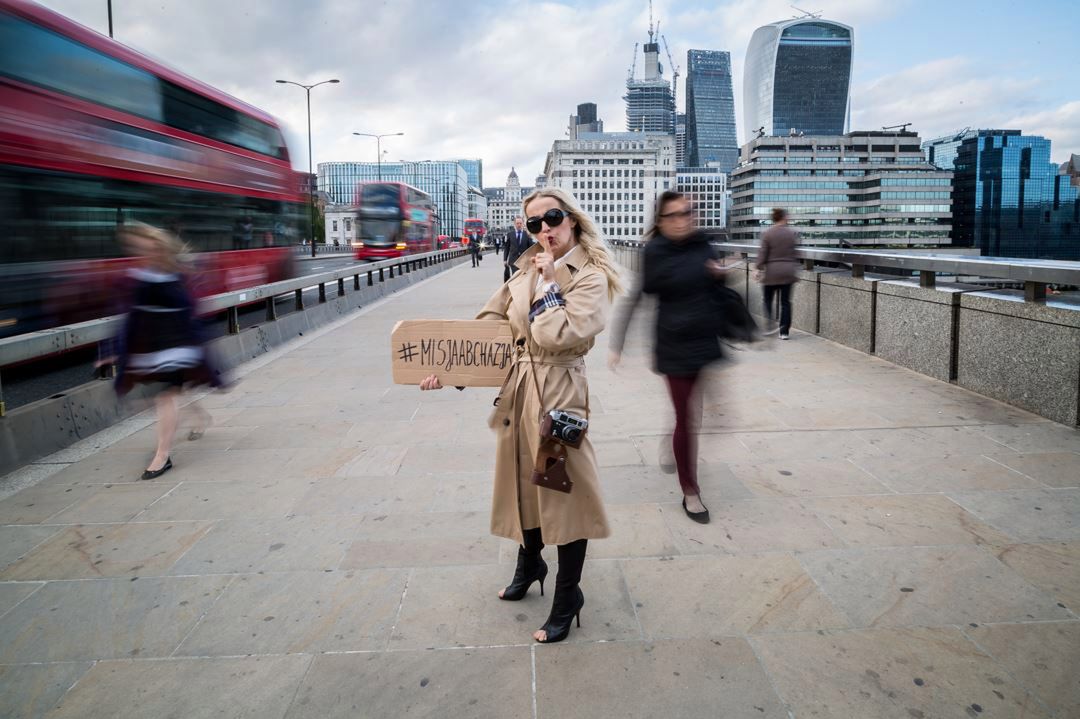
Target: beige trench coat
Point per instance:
(558, 340)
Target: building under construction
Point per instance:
(650, 103)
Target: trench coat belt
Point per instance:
(504, 401)
(577, 361)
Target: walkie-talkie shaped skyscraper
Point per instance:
(798, 78)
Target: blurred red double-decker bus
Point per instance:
(393, 219)
(475, 228)
(94, 135)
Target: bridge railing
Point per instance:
(34, 345)
(939, 315)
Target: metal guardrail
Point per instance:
(33, 345)
(1035, 274)
(321, 249)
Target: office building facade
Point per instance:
(615, 176)
(706, 188)
(477, 203)
(680, 139)
(504, 203)
(1009, 200)
(862, 189)
(445, 180)
(710, 110)
(798, 78)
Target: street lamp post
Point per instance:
(378, 147)
(311, 198)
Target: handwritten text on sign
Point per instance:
(466, 353)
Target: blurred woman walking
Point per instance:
(682, 270)
(162, 342)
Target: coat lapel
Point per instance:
(521, 291)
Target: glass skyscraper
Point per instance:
(1009, 200)
(710, 110)
(445, 180)
(798, 77)
(474, 171)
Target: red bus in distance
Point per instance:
(475, 227)
(393, 219)
(94, 135)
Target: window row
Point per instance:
(617, 185)
(605, 173)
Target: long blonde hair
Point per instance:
(170, 246)
(585, 233)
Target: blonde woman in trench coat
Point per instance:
(556, 306)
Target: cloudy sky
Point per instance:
(498, 79)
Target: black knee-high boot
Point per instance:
(568, 597)
(531, 567)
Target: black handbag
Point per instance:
(734, 321)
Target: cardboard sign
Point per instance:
(461, 353)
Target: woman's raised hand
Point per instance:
(430, 382)
(716, 269)
(545, 265)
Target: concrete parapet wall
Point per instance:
(1023, 353)
(49, 425)
(804, 301)
(994, 343)
(915, 326)
(847, 310)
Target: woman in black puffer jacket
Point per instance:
(682, 270)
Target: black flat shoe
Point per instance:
(699, 517)
(155, 473)
(564, 610)
(524, 576)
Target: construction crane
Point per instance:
(650, 23)
(806, 14)
(633, 65)
(902, 127)
(674, 82)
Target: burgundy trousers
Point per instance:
(684, 438)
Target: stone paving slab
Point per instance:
(882, 545)
(912, 673)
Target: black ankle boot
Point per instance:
(566, 607)
(531, 567)
(568, 596)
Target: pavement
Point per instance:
(882, 545)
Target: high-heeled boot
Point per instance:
(569, 599)
(531, 567)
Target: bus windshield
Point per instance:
(382, 200)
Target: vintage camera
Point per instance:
(564, 427)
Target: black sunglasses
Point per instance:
(677, 213)
(552, 217)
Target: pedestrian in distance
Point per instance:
(776, 269)
(684, 273)
(474, 250)
(517, 241)
(556, 306)
(162, 343)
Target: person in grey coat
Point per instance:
(777, 263)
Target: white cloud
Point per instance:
(459, 80)
(947, 95)
(1061, 125)
(498, 80)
